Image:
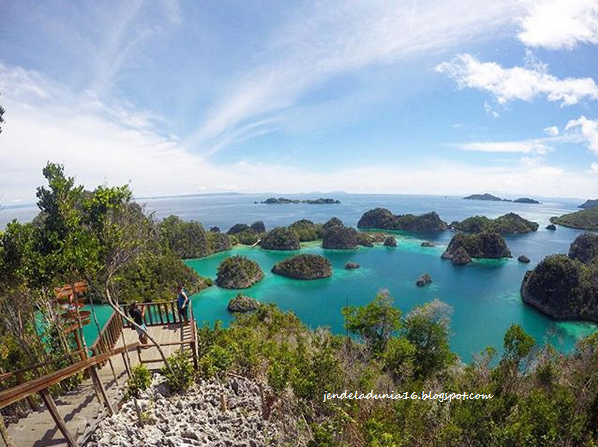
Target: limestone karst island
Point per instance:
(299, 224)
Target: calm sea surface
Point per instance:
(484, 296)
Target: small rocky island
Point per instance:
(284, 201)
(281, 238)
(384, 219)
(339, 237)
(242, 304)
(564, 286)
(464, 247)
(307, 230)
(585, 219)
(491, 198)
(510, 223)
(589, 204)
(304, 266)
(238, 272)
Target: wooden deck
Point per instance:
(80, 408)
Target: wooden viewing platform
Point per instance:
(69, 419)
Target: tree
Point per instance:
(427, 328)
(375, 322)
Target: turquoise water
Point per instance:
(484, 296)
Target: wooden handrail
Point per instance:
(10, 374)
(19, 392)
(158, 313)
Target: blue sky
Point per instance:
(413, 97)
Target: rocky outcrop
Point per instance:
(427, 244)
(333, 222)
(584, 248)
(510, 223)
(242, 304)
(365, 240)
(258, 227)
(524, 259)
(589, 204)
(551, 227)
(238, 228)
(304, 266)
(390, 241)
(566, 287)
(351, 266)
(281, 238)
(238, 272)
(214, 230)
(194, 418)
(586, 219)
(481, 245)
(384, 219)
(339, 237)
(423, 280)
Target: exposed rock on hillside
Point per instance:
(192, 419)
(304, 266)
(238, 272)
(383, 219)
(242, 304)
(281, 238)
(584, 248)
(340, 237)
(510, 223)
(481, 245)
(333, 222)
(390, 241)
(238, 228)
(258, 227)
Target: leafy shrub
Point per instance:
(140, 380)
(179, 373)
(217, 360)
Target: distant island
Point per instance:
(491, 198)
(510, 223)
(283, 201)
(589, 204)
(586, 219)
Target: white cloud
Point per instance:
(553, 131)
(588, 129)
(594, 168)
(523, 147)
(560, 24)
(517, 83)
(339, 38)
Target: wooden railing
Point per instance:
(109, 335)
(157, 313)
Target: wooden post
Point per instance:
(127, 369)
(4, 432)
(30, 399)
(51, 406)
(223, 406)
(96, 378)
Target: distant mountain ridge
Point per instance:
(491, 198)
(589, 204)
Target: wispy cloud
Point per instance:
(560, 24)
(326, 39)
(523, 147)
(517, 83)
(588, 129)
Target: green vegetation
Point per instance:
(540, 397)
(485, 196)
(586, 219)
(284, 201)
(589, 203)
(510, 223)
(304, 266)
(339, 237)
(242, 303)
(479, 245)
(384, 219)
(306, 230)
(179, 371)
(238, 272)
(140, 380)
(565, 287)
(281, 238)
(186, 239)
